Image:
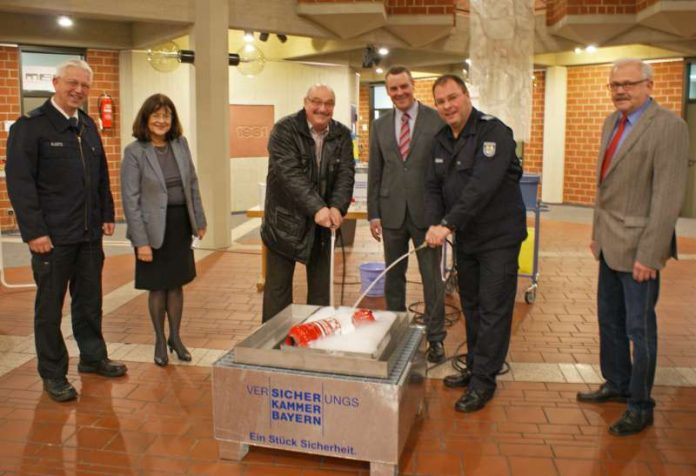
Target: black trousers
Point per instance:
(277, 292)
(487, 287)
(395, 245)
(79, 267)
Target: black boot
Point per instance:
(175, 306)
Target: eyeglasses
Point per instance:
(626, 85)
(450, 98)
(316, 102)
(74, 83)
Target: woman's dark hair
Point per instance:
(152, 104)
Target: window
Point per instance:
(691, 82)
(379, 101)
(37, 67)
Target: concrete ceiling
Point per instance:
(430, 44)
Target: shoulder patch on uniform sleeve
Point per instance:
(489, 149)
(34, 113)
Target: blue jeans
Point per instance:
(626, 313)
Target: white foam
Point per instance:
(363, 339)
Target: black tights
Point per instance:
(171, 303)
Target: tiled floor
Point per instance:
(159, 421)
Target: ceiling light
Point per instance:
(251, 60)
(167, 56)
(591, 49)
(379, 71)
(468, 61)
(249, 36)
(65, 22)
(578, 50)
(383, 51)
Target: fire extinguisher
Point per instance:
(105, 104)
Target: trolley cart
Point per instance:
(529, 185)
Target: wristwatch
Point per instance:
(447, 224)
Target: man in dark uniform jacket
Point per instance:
(309, 189)
(58, 183)
(472, 190)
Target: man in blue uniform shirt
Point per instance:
(58, 183)
(472, 191)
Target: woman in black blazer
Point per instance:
(163, 208)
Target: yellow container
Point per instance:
(526, 258)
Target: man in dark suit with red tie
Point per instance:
(642, 172)
(400, 148)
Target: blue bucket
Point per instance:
(368, 273)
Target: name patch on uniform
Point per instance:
(489, 149)
(56, 144)
(439, 160)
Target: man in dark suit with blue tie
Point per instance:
(400, 149)
(641, 181)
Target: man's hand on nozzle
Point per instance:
(336, 217)
(436, 235)
(323, 217)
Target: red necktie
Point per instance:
(404, 135)
(613, 146)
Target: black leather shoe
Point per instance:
(436, 352)
(59, 389)
(104, 367)
(457, 380)
(631, 423)
(603, 394)
(472, 400)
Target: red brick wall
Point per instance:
(364, 121)
(106, 79)
(557, 9)
(424, 91)
(420, 7)
(9, 111)
(588, 104)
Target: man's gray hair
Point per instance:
(645, 68)
(74, 63)
(314, 87)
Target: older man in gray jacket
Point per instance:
(641, 181)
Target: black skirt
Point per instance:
(172, 265)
